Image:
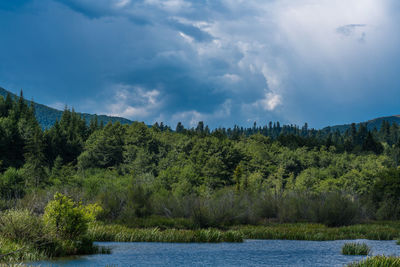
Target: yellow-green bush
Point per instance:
(65, 218)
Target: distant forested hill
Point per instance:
(371, 124)
(47, 116)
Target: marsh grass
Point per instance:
(298, 231)
(118, 233)
(377, 261)
(319, 232)
(356, 249)
(22, 251)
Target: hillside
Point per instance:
(47, 116)
(371, 124)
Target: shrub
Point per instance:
(65, 218)
(355, 249)
(336, 209)
(295, 207)
(92, 211)
(12, 184)
(21, 225)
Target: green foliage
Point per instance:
(332, 209)
(21, 225)
(385, 194)
(66, 219)
(27, 238)
(103, 148)
(213, 178)
(356, 249)
(12, 184)
(337, 209)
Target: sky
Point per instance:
(224, 62)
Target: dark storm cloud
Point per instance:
(226, 62)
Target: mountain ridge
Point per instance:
(371, 124)
(47, 116)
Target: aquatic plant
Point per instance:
(355, 249)
(377, 261)
(319, 232)
(119, 233)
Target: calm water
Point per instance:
(249, 253)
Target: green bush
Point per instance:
(295, 207)
(355, 249)
(12, 184)
(65, 218)
(21, 225)
(337, 209)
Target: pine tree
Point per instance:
(35, 158)
(179, 128)
(371, 145)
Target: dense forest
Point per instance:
(203, 177)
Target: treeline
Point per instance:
(209, 177)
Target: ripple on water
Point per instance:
(249, 253)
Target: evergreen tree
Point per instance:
(179, 128)
(35, 159)
(371, 145)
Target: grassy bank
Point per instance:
(319, 232)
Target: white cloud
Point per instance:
(192, 117)
(122, 3)
(186, 37)
(169, 5)
(134, 102)
(232, 77)
(271, 101)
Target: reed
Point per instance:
(319, 232)
(377, 261)
(12, 251)
(356, 249)
(119, 233)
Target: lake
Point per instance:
(249, 253)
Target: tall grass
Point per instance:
(298, 231)
(118, 233)
(22, 251)
(356, 249)
(377, 261)
(319, 232)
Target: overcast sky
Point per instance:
(224, 62)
